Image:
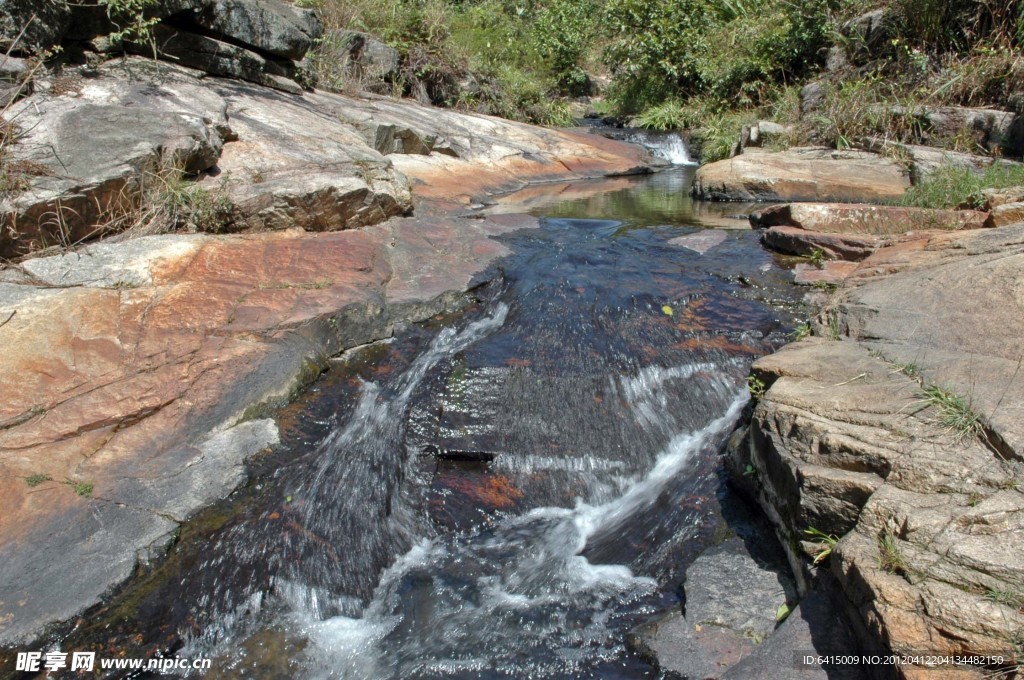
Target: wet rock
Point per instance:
(832, 272)
(865, 219)
(701, 241)
(802, 174)
(127, 355)
(732, 602)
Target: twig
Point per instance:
(856, 377)
(4, 323)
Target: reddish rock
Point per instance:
(796, 241)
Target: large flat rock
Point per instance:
(319, 161)
(802, 174)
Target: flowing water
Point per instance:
(667, 145)
(501, 493)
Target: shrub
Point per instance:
(726, 49)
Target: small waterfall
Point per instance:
(519, 597)
(667, 145)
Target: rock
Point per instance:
(269, 26)
(832, 272)
(990, 128)
(12, 69)
(732, 602)
(220, 58)
(868, 37)
(1007, 213)
(91, 157)
(814, 624)
(802, 174)
(812, 95)
(371, 62)
(994, 198)
(183, 335)
(714, 598)
(761, 134)
(52, 18)
(844, 441)
(701, 241)
(798, 241)
(853, 218)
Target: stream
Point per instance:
(502, 492)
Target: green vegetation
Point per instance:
(83, 489)
(169, 200)
(519, 60)
(952, 186)
(802, 331)
(756, 386)
(36, 480)
(824, 543)
(1010, 598)
(890, 556)
(954, 411)
(129, 16)
(910, 369)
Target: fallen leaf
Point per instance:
(667, 310)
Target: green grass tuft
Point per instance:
(955, 412)
(890, 556)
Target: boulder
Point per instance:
(856, 218)
(220, 58)
(812, 95)
(1007, 213)
(88, 160)
(989, 128)
(295, 166)
(267, 26)
(734, 593)
(372, 63)
(869, 36)
(802, 174)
